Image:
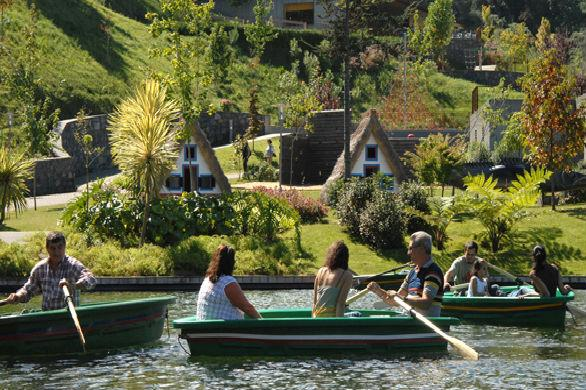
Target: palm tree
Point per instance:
(144, 140)
(14, 170)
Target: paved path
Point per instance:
(10, 237)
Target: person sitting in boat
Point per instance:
(220, 296)
(422, 287)
(49, 275)
(478, 286)
(461, 269)
(332, 283)
(545, 277)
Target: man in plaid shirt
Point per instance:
(50, 274)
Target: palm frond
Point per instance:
(15, 169)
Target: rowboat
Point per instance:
(391, 281)
(105, 326)
(294, 332)
(530, 311)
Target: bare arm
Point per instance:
(316, 283)
(344, 288)
(538, 285)
(564, 288)
(448, 277)
(237, 298)
(474, 287)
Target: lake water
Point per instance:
(511, 358)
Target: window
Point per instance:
(190, 151)
(370, 170)
(206, 182)
(299, 12)
(174, 183)
(371, 152)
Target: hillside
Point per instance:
(93, 52)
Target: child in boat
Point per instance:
(220, 296)
(332, 283)
(478, 286)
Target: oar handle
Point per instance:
(503, 272)
(3, 302)
(465, 350)
(357, 296)
(74, 315)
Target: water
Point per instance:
(519, 358)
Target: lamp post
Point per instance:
(231, 125)
(281, 124)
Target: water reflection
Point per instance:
(522, 358)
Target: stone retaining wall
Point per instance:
(53, 175)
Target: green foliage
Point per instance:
(310, 210)
(262, 31)
(15, 168)
(514, 41)
(415, 196)
(382, 222)
(261, 172)
(17, 260)
(437, 30)
(499, 210)
(441, 213)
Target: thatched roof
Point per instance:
(367, 126)
(207, 153)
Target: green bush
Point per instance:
(17, 260)
(262, 172)
(334, 191)
(352, 202)
(192, 255)
(382, 222)
(413, 194)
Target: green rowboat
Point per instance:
(529, 311)
(294, 332)
(105, 326)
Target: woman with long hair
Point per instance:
(546, 278)
(332, 283)
(220, 296)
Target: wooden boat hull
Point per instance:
(508, 311)
(294, 332)
(105, 326)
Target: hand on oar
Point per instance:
(73, 312)
(465, 350)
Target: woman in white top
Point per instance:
(478, 286)
(220, 296)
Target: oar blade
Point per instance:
(466, 351)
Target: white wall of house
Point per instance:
(363, 164)
(178, 182)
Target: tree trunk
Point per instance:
(145, 219)
(552, 192)
(442, 190)
(291, 163)
(35, 186)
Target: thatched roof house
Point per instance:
(370, 153)
(197, 168)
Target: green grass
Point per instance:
(231, 164)
(43, 219)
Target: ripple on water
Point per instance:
(520, 358)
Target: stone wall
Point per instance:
(299, 147)
(54, 175)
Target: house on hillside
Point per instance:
(370, 153)
(197, 169)
(483, 132)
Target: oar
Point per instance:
(359, 295)
(465, 350)
(74, 315)
(3, 302)
(573, 310)
(370, 278)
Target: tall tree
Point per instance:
(554, 128)
(144, 141)
(514, 41)
(437, 30)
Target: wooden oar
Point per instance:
(370, 278)
(74, 315)
(573, 310)
(465, 350)
(3, 302)
(359, 295)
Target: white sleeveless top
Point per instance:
(480, 287)
(212, 302)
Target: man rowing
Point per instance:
(422, 287)
(49, 275)
(461, 269)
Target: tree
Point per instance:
(439, 216)
(144, 140)
(437, 30)
(88, 150)
(514, 41)
(499, 210)
(554, 128)
(15, 169)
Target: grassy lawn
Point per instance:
(232, 165)
(43, 219)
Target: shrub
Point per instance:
(192, 255)
(17, 260)
(352, 201)
(382, 222)
(310, 210)
(414, 195)
(261, 172)
(334, 191)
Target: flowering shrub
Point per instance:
(310, 210)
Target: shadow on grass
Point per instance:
(576, 212)
(88, 28)
(4, 228)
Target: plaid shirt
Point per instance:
(212, 302)
(44, 280)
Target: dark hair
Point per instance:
(471, 245)
(54, 238)
(269, 141)
(222, 263)
(539, 257)
(337, 256)
(477, 266)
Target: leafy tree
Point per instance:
(15, 169)
(4, 5)
(254, 122)
(437, 30)
(143, 140)
(554, 128)
(498, 210)
(439, 216)
(514, 41)
(262, 31)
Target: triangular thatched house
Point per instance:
(204, 168)
(370, 153)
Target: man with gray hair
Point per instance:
(423, 286)
(50, 274)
